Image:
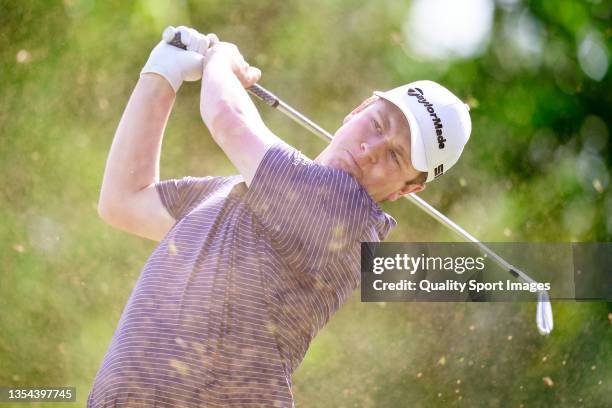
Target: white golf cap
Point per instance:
(440, 124)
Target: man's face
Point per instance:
(373, 145)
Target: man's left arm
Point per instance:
(229, 112)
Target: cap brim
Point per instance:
(418, 155)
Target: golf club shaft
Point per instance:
(270, 99)
(544, 318)
(275, 102)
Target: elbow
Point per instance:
(104, 212)
(110, 217)
(103, 203)
(108, 202)
(108, 211)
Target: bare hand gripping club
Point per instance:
(544, 317)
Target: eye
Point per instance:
(394, 156)
(377, 126)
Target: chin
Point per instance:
(338, 164)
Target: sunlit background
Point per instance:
(537, 168)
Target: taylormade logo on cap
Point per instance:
(438, 171)
(439, 122)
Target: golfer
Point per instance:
(250, 267)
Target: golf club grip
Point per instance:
(266, 96)
(176, 41)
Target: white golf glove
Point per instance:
(177, 65)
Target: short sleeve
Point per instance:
(314, 212)
(181, 195)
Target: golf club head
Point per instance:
(544, 316)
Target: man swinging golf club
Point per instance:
(250, 267)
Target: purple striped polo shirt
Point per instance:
(227, 304)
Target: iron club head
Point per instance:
(544, 317)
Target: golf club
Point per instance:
(544, 317)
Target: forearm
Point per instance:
(222, 91)
(133, 161)
(233, 119)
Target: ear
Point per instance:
(410, 188)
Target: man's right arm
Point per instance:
(128, 198)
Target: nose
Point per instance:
(370, 150)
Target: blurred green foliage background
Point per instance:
(537, 168)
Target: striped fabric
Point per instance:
(227, 304)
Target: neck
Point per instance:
(322, 158)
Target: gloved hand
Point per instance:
(177, 65)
